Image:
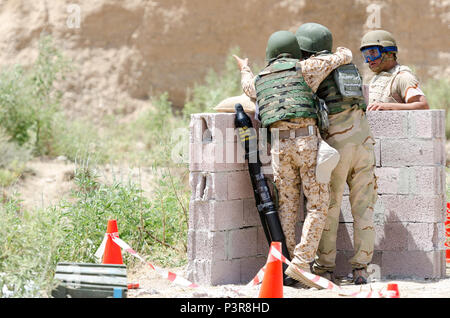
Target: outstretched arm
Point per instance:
(247, 77)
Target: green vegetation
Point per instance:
(32, 242)
(438, 96)
(29, 99)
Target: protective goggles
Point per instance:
(372, 53)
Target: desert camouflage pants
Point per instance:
(294, 163)
(356, 168)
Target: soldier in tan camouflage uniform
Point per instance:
(349, 133)
(394, 86)
(294, 153)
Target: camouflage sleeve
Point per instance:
(248, 82)
(317, 68)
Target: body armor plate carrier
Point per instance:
(282, 93)
(342, 89)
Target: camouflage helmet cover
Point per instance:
(314, 37)
(282, 42)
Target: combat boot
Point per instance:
(329, 275)
(294, 271)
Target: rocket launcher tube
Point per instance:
(264, 203)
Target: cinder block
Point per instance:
(209, 186)
(216, 215)
(243, 243)
(239, 185)
(195, 156)
(207, 272)
(392, 237)
(412, 152)
(210, 127)
(251, 214)
(207, 245)
(420, 236)
(389, 124)
(412, 208)
(199, 215)
(427, 123)
(216, 157)
(218, 186)
(439, 236)
(392, 180)
(195, 182)
(412, 264)
(199, 271)
(198, 129)
(427, 180)
(226, 215)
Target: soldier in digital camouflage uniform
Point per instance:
(349, 133)
(394, 86)
(284, 92)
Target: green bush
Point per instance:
(161, 219)
(29, 100)
(33, 242)
(437, 92)
(77, 139)
(12, 160)
(29, 243)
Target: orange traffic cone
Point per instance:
(113, 252)
(394, 288)
(272, 284)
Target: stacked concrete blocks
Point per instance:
(226, 243)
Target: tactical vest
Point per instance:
(282, 93)
(380, 87)
(342, 89)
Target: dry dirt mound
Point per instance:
(124, 49)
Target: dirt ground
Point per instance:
(47, 181)
(152, 285)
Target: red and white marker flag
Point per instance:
(273, 254)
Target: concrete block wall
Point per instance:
(226, 243)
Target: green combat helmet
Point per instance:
(282, 42)
(314, 37)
